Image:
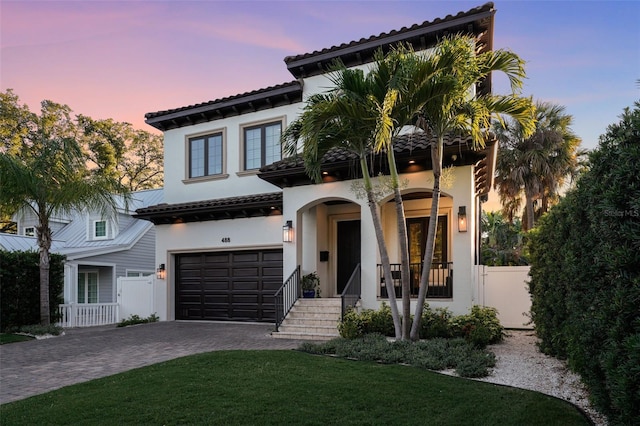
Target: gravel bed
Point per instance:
(520, 364)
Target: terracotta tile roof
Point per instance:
(256, 100)
(217, 209)
(403, 144)
(412, 152)
(477, 21)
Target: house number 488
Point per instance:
(226, 240)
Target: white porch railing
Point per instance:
(87, 314)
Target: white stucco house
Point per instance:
(238, 220)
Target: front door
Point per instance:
(348, 251)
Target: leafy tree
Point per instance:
(44, 169)
(7, 226)
(135, 157)
(502, 241)
(535, 166)
(16, 122)
(462, 69)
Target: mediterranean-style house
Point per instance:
(98, 249)
(240, 224)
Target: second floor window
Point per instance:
(262, 145)
(205, 155)
(100, 229)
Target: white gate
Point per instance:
(136, 296)
(505, 288)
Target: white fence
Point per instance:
(505, 288)
(87, 314)
(136, 296)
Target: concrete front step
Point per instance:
(311, 319)
(331, 321)
(330, 316)
(309, 329)
(303, 336)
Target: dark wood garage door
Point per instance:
(228, 285)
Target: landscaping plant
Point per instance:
(585, 280)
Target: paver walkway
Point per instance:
(38, 366)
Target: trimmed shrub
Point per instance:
(585, 279)
(436, 354)
(435, 323)
(481, 327)
(357, 324)
(20, 288)
(136, 319)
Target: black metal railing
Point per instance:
(351, 293)
(440, 280)
(287, 295)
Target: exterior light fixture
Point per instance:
(462, 219)
(287, 232)
(161, 272)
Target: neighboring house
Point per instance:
(232, 203)
(98, 249)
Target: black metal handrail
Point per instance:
(351, 293)
(287, 295)
(440, 280)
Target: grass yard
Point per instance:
(286, 388)
(13, 338)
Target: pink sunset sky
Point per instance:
(122, 59)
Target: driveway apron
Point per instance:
(38, 366)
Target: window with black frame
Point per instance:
(262, 145)
(205, 155)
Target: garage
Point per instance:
(232, 285)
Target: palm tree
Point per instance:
(346, 117)
(461, 69)
(49, 176)
(401, 85)
(538, 165)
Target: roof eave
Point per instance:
(199, 113)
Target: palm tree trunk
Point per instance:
(384, 254)
(44, 244)
(405, 273)
(436, 161)
(530, 213)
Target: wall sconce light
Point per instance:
(160, 272)
(287, 232)
(462, 219)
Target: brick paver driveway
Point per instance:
(39, 366)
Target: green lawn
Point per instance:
(286, 388)
(13, 338)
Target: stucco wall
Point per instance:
(236, 183)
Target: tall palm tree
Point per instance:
(49, 176)
(347, 117)
(457, 111)
(399, 79)
(538, 165)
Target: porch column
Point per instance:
(369, 259)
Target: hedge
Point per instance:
(20, 288)
(585, 274)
